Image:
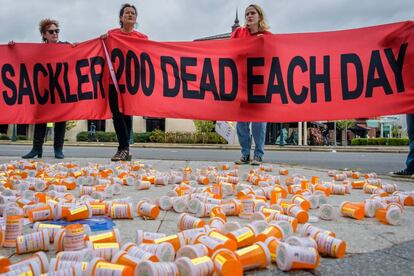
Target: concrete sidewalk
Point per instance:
(382, 149)
(372, 247)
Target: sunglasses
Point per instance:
(53, 31)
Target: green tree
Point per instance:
(396, 131)
(70, 125)
(204, 126)
(344, 124)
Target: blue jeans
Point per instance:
(259, 133)
(410, 130)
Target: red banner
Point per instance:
(275, 78)
(53, 82)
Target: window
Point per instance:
(99, 124)
(154, 123)
(4, 128)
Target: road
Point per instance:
(381, 163)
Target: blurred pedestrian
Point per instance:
(408, 171)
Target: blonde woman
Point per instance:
(255, 25)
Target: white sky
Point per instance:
(186, 20)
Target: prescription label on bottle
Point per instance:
(324, 243)
(348, 211)
(152, 236)
(242, 234)
(106, 245)
(306, 255)
(27, 273)
(100, 237)
(145, 208)
(209, 242)
(334, 249)
(220, 260)
(41, 214)
(248, 249)
(164, 239)
(103, 268)
(44, 225)
(200, 260)
(78, 210)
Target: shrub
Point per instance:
(380, 141)
(392, 142)
(21, 137)
(398, 141)
(4, 136)
(214, 138)
(405, 141)
(82, 136)
(179, 137)
(102, 136)
(157, 136)
(358, 141)
(142, 137)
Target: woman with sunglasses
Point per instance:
(123, 123)
(255, 25)
(49, 30)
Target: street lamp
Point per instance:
(14, 133)
(282, 143)
(131, 135)
(346, 135)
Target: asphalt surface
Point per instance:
(396, 260)
(379, 162)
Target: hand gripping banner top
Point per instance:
(42, 83)
(355, 73)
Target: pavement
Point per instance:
(372, 247)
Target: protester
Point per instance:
(49, 30)
(255, 25)
(122, 122)
(409, 163)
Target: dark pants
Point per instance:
(410, 130)
(40, 133)
(122, 122)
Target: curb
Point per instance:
(356, 149)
